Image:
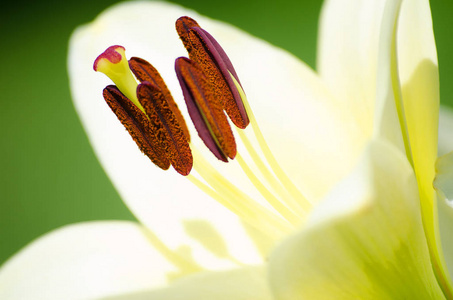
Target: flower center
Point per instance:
(210, 86)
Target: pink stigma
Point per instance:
(110, 54)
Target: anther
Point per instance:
(216, 65)
(165, 125)
(204, 109)
(183, 26)
(137, 124)
(144, 71)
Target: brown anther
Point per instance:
(166, 126)
(204, 109)
(137, 124)
(183, 26)
(144, 71)
(216, 65)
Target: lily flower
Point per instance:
(333, 191)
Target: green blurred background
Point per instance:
(49, 174)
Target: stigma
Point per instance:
(113, 63)
(144, 105)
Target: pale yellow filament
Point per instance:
(293, 203)
(281, 175)
(289, 208)
(235, 200)
(270, 198)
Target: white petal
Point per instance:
(389, 119)
(315, 137)
(355, 61)
(444, 186)
(86, 261)
(366, 241)
(445, 131)
(348, 47)
(356, 44)
(241, 284)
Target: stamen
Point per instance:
(204, 110)
(148, 110)
(144, 71)
(137, 124)
(207, 52)
(113, 63)
(166, 127)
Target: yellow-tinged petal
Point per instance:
(407, 86)
(444, 182)
(243, 284)
(365, 241)
(418, 72)
(444, 186)
(445, 144)
(86, 261)
(446, 224)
